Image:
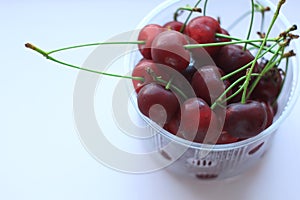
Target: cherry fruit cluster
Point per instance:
(242, 84)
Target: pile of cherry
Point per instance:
(162, 97)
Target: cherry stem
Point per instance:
(284, 78)
(193, 46)
(272, 62)
(217, 102)
(158, 79)
(189, 16)
(94, 44)
(238, 39)
(30, 46)
(205, 7)
(251, 23)
(281, 2)
(169, 84)
(187, 8)
(248, 64)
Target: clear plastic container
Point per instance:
(227, 160)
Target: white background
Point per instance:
(41, 156)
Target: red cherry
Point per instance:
(157, 103)
(196, 120)
(147, 34)
(270, 113)
(173, 25)
(142, 70)
(203, 29)
(269, 86)
(245, 120)
(173, 125)
(233, 57)
(224, 32)
(168, 49)
(226, 138)
(207, 84)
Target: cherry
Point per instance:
(207, 84)
(157, 103)
(173, 25)
(189, 72)
(224, 32)
(226, 138)
(245, 120)
(168, 49)
(203, 29)
(232, 57)
(269, 86)
(270, 113)
(173, 125)
(147, 34)
(196, 120)
(143, 69)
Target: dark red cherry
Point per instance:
(245, 120)
(233, 57)
(270, 113)
(269, 86)
(147, 34)
(207, 84)
(226, 138)
(203, 29)
(157, 103)
(198, 121)
(224, 32)
(173, 25)
(189, 72)
(168, 49)
(173, 125)
(143, 69)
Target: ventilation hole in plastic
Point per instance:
(209, 163)
(206, 176)
(255, 149)
(198, 162)
(204, 162)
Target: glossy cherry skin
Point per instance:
(168, 49)
(157, 103)
(173, 25)
(203, 29)
(173, 125)
(207, 84)
(142, 70)
(232, 57)
(269, 86)
(245, 120)
(224, 32)
(198, 121)
(270, 113)
(147, 34)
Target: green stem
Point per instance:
(272, 62)
(77, 67)
(247, 65)
(251, 23)
(158, 79)
(238, 39)
(93, 44)
(193, 46)
(281, 2)
(205, 7)
(230, 88)
(189, 16)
